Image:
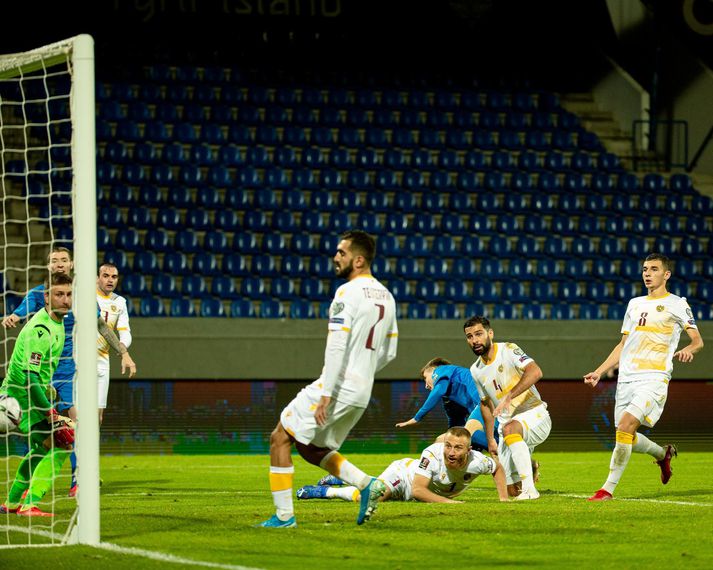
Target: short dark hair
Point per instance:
(361, 244)
(434, 363)
(459, 431)
(477, 320)
(107, 264)
(57, 279)
(59, 249)
(665, 261)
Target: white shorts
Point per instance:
(102, 386)
(298, 420)
(536, 425)
(643, 399)
(396, 478)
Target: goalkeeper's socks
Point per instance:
(44, 475)
(338, 465)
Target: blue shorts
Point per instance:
(478, 440)
(63, 382)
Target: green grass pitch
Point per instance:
(203, 508)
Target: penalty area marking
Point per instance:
(153, 555)
(634, 499)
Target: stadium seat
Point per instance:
(117, 258)
(542, 292)
(597, 291)
(205, 263)
(532, 311)
(472, 246)
(134, 285)
(211, 308)
(590, 311)
(145, 263)
(175, 263)
(486, 291)
(513, 291)
(182, 308)
(463, 268)
(194, 287)
(418, 310)
(562, 311)
(616, 311)
(271, 309)
(234, 265)
(164, 285)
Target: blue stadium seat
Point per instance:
(312, 289)
(164, 285)
(500, 246)
(616, 311)
(117, 258)
(151, 307)
(549, 269)
(569, 291)
(134, 285)
(532, 311)
(271, 309)
(127, 239)
(492, 269)
(625, 290)
(666, 246)
(418, 311)
(370, 222)
(111, 217)
(472, 246)
(194, 287)
(182, 308)
(629, 269)
(514, 291)
(321, 267)
(562, 311)
(175, 263)
(577, 269)
(542, 292)
(234, 265)
(507, 224)
(521, 268)
(503, 311)
(283, 288)
(211, 308)
(145, 263)
(401, 290)
(463, 269)
(597, 291)
(258, 156)
(408, 268)
(448, 311)
(590, 311)
(485, 292)
(205, 263)
(535, 226)
(427, 291)
(253, 288)
(389, 246)
(583, 247)
(302, 309)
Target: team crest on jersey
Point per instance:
(113, 308)
(424, 463)
(660, 308)
(500, 368)
(337, 308)
(36, 358)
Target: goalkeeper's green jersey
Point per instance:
(33, 361)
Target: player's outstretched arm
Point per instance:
(687, 352)
(412, 421)
(592, 378)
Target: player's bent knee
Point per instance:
(512, 428)
(311, 453)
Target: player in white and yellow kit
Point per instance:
(650, 334)
(505, 377)
(443, 472)
(362, 340)
(113, 310)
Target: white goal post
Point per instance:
(75, 58)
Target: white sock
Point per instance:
(338, 465)
(281, 487)
(643, 444)
(343, 493)
(520, 454)
(619, 460)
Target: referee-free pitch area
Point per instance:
(199, 511)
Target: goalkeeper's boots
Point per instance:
(330, 480)
(601, 495)
(312, 492)
(32, 511)
(369, 500)
(4, 510)
(274, 522)
(665, 463)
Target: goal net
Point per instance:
(47, 185)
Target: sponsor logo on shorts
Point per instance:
(36, 358)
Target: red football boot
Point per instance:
(601, 495)
(665, 463)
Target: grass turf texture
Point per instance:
(203, 508)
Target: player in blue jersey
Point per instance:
(59, 260)
(454, 387)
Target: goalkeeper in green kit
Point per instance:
(29, 374)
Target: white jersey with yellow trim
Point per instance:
(366, 311)
(114, 311)
(449, 482)
(496, 378)
(653, 327)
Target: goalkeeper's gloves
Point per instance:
(62, 429)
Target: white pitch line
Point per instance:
(153, 555)
(180, 493)
(633, 499)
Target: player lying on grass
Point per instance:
(443, 472)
